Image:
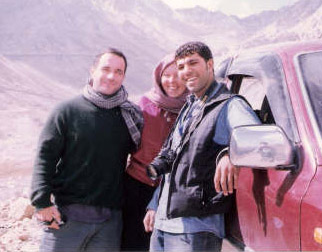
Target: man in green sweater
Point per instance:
(82, 153)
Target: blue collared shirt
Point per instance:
(235, 112)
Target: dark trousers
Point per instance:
(75, 236)
(136, 198)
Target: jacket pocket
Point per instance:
(184, 204)
(213, 202)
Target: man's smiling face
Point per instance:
(196, 73)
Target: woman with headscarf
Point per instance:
(160, 107)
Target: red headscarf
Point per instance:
(157, 94)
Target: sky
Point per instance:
(240, 8)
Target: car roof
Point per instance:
(289, 48)
(240, 62)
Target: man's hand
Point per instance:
(50, 215)
(226, 176)
(149, 220)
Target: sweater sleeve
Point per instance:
(50, 148)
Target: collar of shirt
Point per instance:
(211, 91)
(194, 106)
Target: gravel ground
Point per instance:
(19, 231)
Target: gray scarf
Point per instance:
(131, 113)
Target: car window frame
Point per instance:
(307, 102)
(253, 65)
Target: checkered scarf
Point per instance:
(131, 113)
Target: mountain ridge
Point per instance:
(47, 47)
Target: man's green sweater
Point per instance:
(82, 154)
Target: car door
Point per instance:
(308, 69)
(268, 201)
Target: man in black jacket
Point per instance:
(191, 207)
(82, 153)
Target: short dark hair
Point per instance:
(112, 51)
(194, 47)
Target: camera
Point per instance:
(162, 164)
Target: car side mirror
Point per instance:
(261, 146)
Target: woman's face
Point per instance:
(171, 84)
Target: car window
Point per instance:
(310, 67)
(263, 75)
(254, 92)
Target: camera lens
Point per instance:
(151, 171)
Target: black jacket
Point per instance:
(192, 191)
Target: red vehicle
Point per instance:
(279, 198)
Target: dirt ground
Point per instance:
(19, 231)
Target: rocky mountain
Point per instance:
(215, 28)
(311, 28)
(26, 97)
(46, 49)
(298, 22)
(61, 37)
